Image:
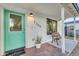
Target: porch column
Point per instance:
(63, 33)
(74, 29)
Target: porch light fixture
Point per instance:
(31, 17)
(31, 14)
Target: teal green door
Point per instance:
(14, 30)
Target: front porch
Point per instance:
(23, 29)
(45, 50)
(51, 49)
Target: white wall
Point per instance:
(33, 30)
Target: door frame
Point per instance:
(14, 12)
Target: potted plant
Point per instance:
(38, 42)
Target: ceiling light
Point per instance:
(31, 14)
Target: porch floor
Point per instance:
(45, 50)
(69, 45)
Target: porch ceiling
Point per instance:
(71, 8)
(49, 10)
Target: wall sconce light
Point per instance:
(31, 14)
(31, 17)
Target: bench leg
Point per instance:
(57, 42)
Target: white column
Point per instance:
(63, 33)
(74, 29)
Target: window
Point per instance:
(51, 26)
(15, 23)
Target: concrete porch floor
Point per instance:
(45, 50)
(75, 51)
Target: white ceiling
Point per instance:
(50, 10)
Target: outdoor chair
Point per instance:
(56, 37)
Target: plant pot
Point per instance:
(38, 45)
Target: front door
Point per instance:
(14, 30)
